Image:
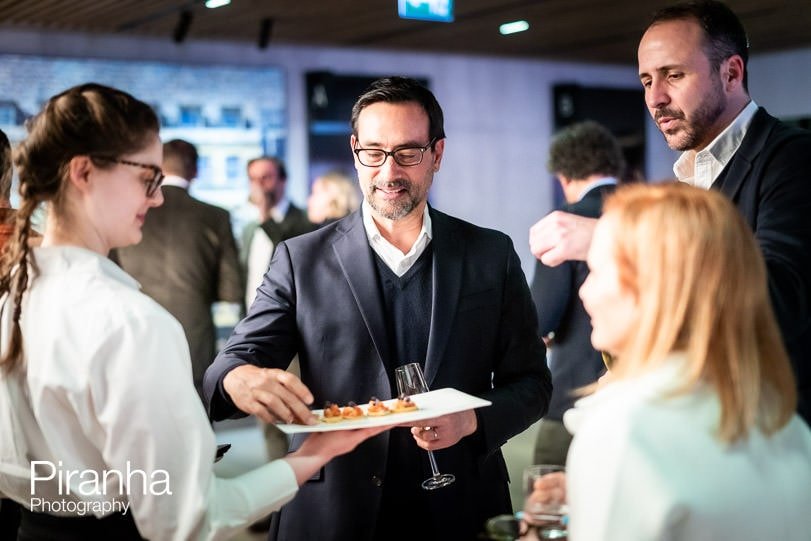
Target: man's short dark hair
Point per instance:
(723, 32)
(584, 149)
(402, 90)
(280, 168)
(6, 171)
(180, 158)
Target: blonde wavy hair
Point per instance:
(345, 199)
(700, 283)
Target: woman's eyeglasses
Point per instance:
(157, 175)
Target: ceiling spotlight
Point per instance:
(211, 4)
(513, 27)
(182, 26)
(265, 29)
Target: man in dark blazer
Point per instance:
(188, 258)
(587, 161)
(692, 64)
(279, 220)
(393, 283)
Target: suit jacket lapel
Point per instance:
(449, 253)
(293, 224)
(357, 263)
(734, 175)
(274, 231)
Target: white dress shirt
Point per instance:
(260, 252)
(106, 386)
(702, 168)
(604, 181)
(176, 181)
(397, 261)
(644, 466)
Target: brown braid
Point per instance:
(86, 120)
(14, 268)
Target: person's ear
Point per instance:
(732, 71)
(79, 171)
(353, 141)
(439, 149)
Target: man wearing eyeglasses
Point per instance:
(394, 283)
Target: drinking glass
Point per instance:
(410, 381)
(548, 518)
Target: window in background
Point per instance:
(231, 117)
(233, 167)
(193, 103)
(204, 169)
(191, 115)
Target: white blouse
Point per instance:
(646, 467)
(106, 394)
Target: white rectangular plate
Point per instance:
(431, 404)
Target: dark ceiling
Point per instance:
(585, 30)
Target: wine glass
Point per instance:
(411, 381)
(548, 517)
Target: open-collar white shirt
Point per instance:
(701, 168)
(394, 259)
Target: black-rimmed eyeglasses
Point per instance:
(157, 175)
(404, 156)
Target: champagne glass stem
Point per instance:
(434, 468)
(410, 380)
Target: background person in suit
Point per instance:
(279, 220)
(692, 64)
(396, 282)
(587, 161)
(187, 258)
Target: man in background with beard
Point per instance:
(394, 283)
(693, 67)
(279, 220)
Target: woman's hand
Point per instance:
(321, 447)
(549, 489)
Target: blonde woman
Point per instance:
(694, 435)
(97, 405)
(332, 196)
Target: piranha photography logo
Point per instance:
(59, 490)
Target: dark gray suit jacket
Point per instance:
(572, 360)
(186, 261)
(769, 180)
(295, 223)
(321, 299)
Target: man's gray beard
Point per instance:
(393, 211)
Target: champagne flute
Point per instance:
(411, 381)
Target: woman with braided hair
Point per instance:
(102, 435)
